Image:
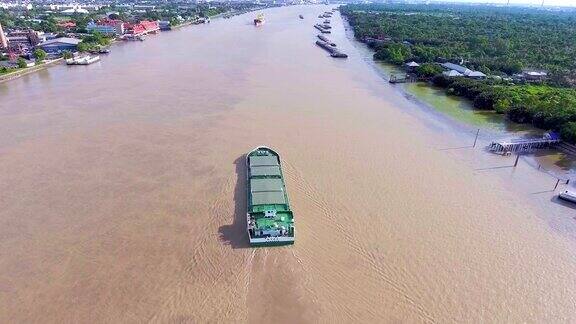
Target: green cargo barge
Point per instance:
(269, 218)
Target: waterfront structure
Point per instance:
(522, 145)
(455, 67)
(411, 66)
(59, 45)
(3, 39)
(452, 74)
(83, 60)
(462, 70)
(142, 28)
(107, 27)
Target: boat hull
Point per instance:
(269, 219)
(567, 197)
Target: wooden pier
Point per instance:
(522, 145)
(401, 79)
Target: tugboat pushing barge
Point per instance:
(259, 20)
(269, 218)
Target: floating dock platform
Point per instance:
(521, 145)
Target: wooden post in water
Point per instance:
(557, 182)
(516, 162)
(476, 138)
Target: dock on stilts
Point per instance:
(521, 145)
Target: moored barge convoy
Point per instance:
(324, 42)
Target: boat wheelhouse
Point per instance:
(269, 218)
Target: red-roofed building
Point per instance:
(142, 28)
(67, 24)
(107, 26)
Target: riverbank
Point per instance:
(509, 87)
(21, 72)
(461, 115)
(48, 63)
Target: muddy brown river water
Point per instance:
(122, 193)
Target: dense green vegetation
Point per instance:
(21, 63)
(93, 42)
(490, 39)
(545, 107)
(39, 55)
(495, 40)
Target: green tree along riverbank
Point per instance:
(497, 41)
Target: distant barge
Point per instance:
(322, 29)
(333, 52)
(269, 218)
(324, 39)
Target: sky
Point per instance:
(535, 2)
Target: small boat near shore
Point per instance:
(259, 20)
(568, 195)
(301, 17)
(270, 220)
(83, 60)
